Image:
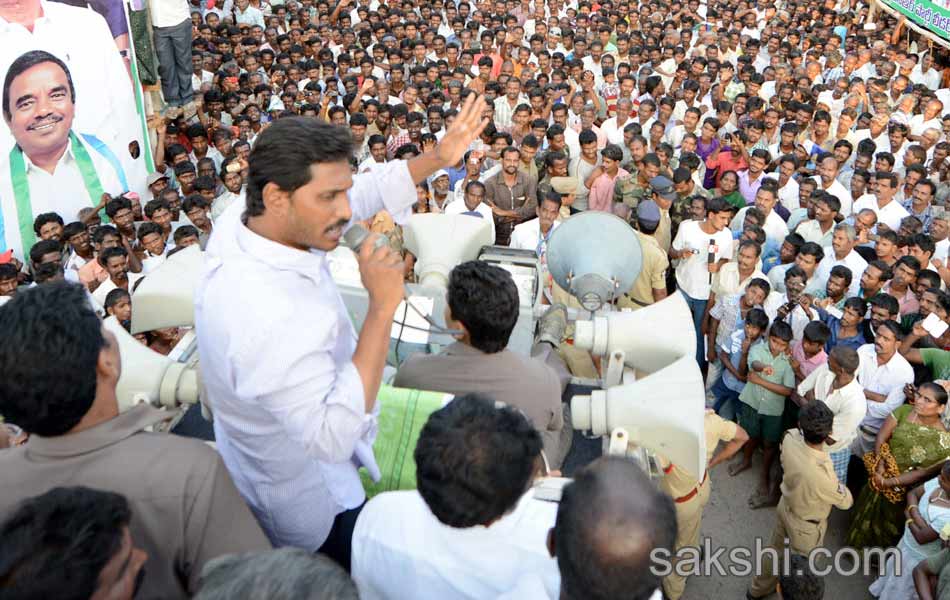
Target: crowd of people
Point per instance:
(784, 166)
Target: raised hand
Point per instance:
(466, 128)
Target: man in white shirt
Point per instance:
(888, 210)
(171, 25)
(883, 373)
(835, 384)
(827, 179)
(701, 247)
(473, 204)
(234, 191)
(534, 234)
(613, 127)
(608, 552)
(49, 157)
(765, 199)
(841, 252)
(294, 388)
(245, 14)
(475, 525)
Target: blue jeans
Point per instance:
(698, 309)
(727, 401)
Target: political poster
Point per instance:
(73, 127)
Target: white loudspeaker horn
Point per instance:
(651, 337)
(440, 241)
(595, 256)
(147, 376)
(664, 413)
(166, 297)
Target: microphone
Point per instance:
(354, 237)
(711, 256)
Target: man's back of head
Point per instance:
(282, 574)
(72, 544)
(474, 461)
(483, 299)
(610, 519)
(49, 358)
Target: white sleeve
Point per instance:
(808, 383)
(389, 186)
(895, 398)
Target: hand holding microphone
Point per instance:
(381, 269)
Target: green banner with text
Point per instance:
(932, 16)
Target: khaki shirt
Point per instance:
(810, 487)
(652, 274)
(664, 233)
(185, 508)
(676, 481)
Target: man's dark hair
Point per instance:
(815, 421)
(761, 283)
(843, 272)
(55, 545)
(887, 302)
(757, 318)
(43, 219)
(284, 152)
(108, 253)
(609, 521)
(484, 299)
(8, 271)
(27, 61)
(846, 357)
(153, 206)
(800, 582)
(795, 271)
(781, 330)
(52, 340)
(42, 248)
(812, 249)
(817, 332)
(116, 204)
(474, 460)
(185, 231)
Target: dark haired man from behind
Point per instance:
(60, 369)
(482, 302)
(474, 528)
(612, 523)
(71, 544)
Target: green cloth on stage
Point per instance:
(402, 413)
(875, 521)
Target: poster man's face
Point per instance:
(41, 109)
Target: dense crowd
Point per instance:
(785, 168)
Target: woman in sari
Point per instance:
(927, 513)
(729, 190)
(912, 442)
(707, 144)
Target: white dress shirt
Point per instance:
(107, 286)
(847, 403)
(797, 318)
(276, 347)
(888, 379)
(400, 551)
(457, 207)
(891, 214)
(168, 13)
(614, 130)
(224, 201)
(527, 236)
(47, 190)
(840, 192)
(775, 228)
(852, 261)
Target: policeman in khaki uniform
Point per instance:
(809, 489)
(650, 285)
(567, 187)
(691, 495)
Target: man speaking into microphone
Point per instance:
(292, 387)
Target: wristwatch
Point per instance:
(126, 54)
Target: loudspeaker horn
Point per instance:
(166, 297)
(440, 241)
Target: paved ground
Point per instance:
(730, 523)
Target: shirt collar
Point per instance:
(41, 19)
(105, 434)
(279, 256)
(66, 158)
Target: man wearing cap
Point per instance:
(663, 195)
(650, 285)
(635, 187)
(567, 187)
(156, 183)
(440, 192)
(49, 156)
